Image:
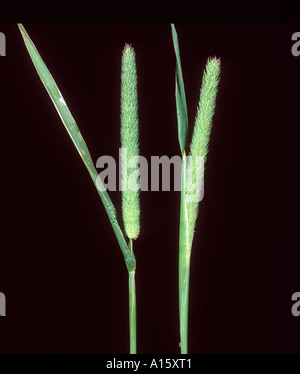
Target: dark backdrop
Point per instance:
(60, 265)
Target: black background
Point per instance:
(60, 265)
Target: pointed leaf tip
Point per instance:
(181, 106)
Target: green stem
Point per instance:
(132, 308)
(184, 263)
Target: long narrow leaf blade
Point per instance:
(78, 141)
(182, 115)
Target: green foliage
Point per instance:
(192, 172)
(78, 141)
(182, 115)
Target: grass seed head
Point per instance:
(130, 143)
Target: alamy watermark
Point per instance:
(137, 169)
(2, 305)
(2, 44)
(296, 306)
(296, 46)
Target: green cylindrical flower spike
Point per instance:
(206, 108)
(200, 139)
(129, 144)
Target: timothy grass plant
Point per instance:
(129, 142)
(130, 175)
(192, 171)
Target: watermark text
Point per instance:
(2, 305)
(135, 174)
(2, 44)
(296, 306)
(296, 46)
